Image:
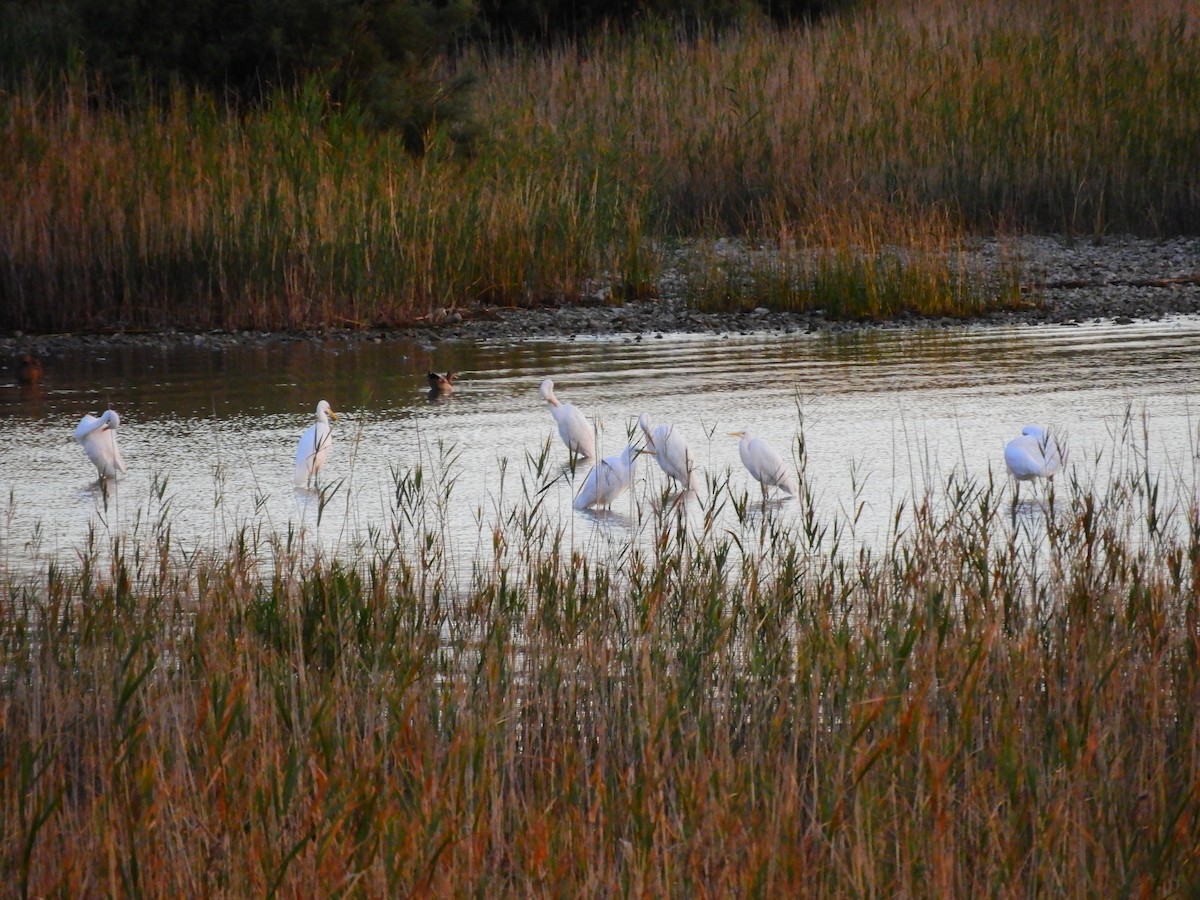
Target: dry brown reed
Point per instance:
(927, 122)
(999, 700)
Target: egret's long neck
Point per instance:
(101, 424)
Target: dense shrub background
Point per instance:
(553, 19)
(392, 60)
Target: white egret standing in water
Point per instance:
(314, 444)
(670, 449)
(573, 428)
(765, 463)
(609, 479)
(98, 437)
(1035, 454)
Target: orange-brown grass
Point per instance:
(1062, 116)
(863, 264)
(932, 121)
(1000, 699)
(293, 217)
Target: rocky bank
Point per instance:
(1066, 282)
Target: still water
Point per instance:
(211, 433)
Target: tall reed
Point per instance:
(929, 122)
(997, 698)
(1067, 117)
(292, 217)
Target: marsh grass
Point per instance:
(1023, 115)
(995, 698)
(296, 216)
(882, 139)
(874, 264)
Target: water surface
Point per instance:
(212, 432)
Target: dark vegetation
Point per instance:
(386, 58)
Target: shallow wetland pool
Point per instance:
(211, 433)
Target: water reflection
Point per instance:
(876, 417)
(608, 520)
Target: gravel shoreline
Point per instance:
(1119, 279)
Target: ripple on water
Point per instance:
(883, 412)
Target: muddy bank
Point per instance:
(1066, 282)
(1122, 280)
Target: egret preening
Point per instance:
(671, 449)
(609, 479)
(765, 463)
(314, 444)
(98, 437)
(573, 428)
(441, 384)
(1035, 454)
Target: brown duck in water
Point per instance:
(441, 385)
(29, 370)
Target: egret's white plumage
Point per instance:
(98, 437)
(764, 463)
(670, 449)
(315, 443)
(608, 479)
(573, 428)
(1035, 454)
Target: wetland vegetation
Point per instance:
(862, 153)
(1000, 698)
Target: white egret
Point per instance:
(441, 384)
(98, 437)
(609, 479)
(765, 463)
(670, 449)
(314, 444)
(573, 428)
(1035, 454)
